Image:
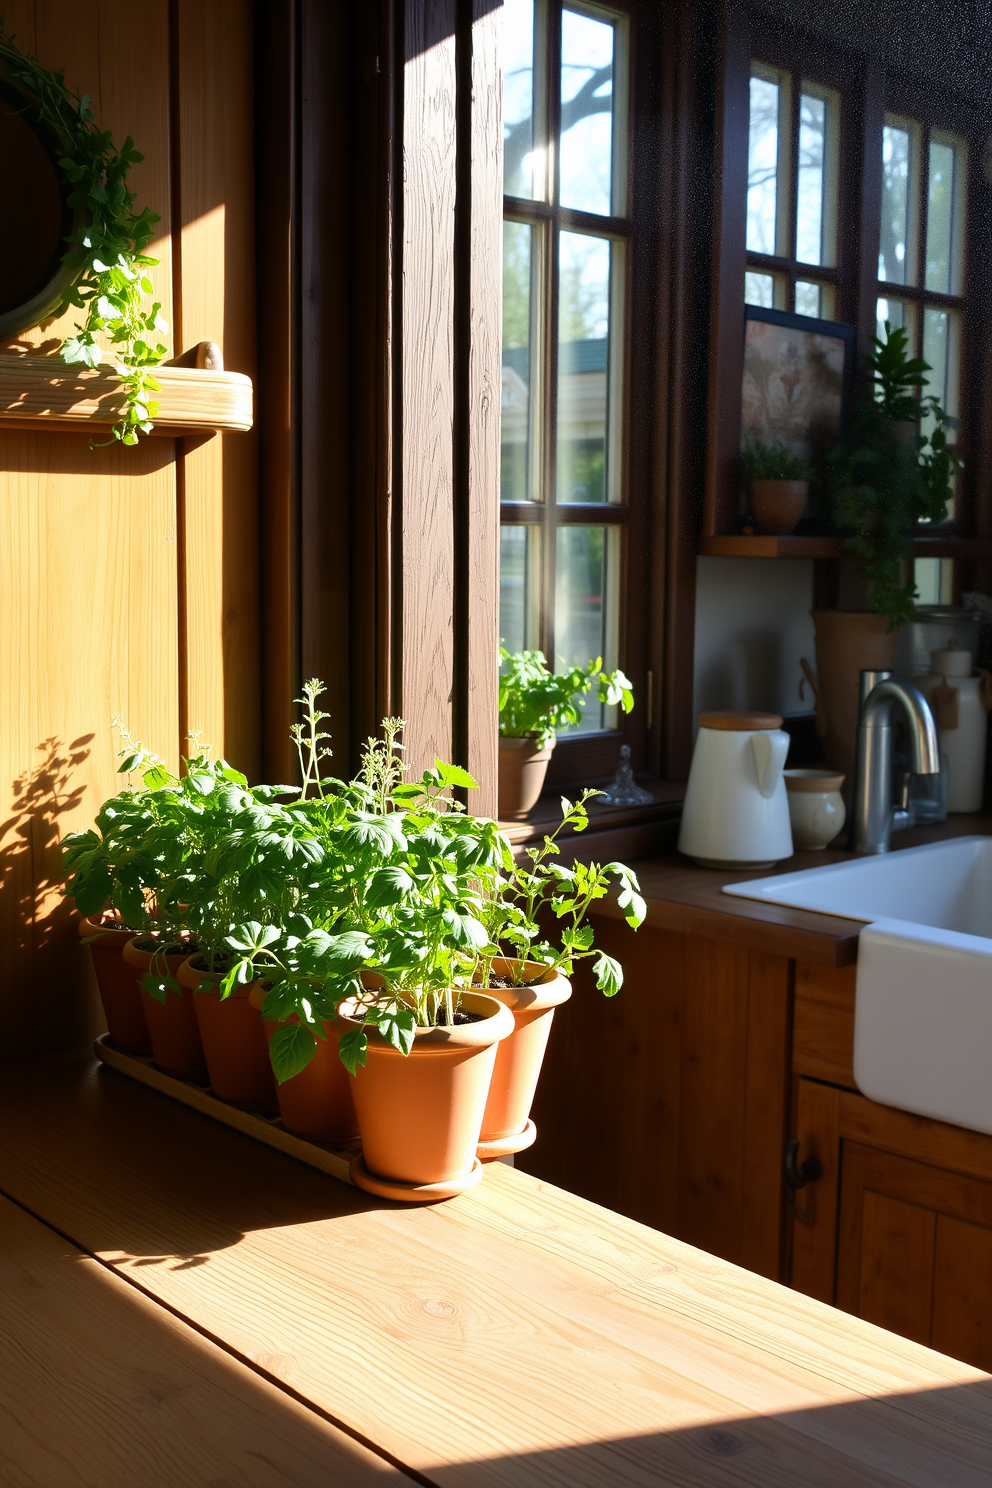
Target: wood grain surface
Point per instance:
(514, 1336)
(102, 1388)
(41, 389)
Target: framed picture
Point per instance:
(797, 372)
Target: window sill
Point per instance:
(613, 830)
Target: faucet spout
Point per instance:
(873, 815)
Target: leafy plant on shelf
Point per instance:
(534, 702)
(885, 475)
(514, 902)
(112, 284)
(773, 462)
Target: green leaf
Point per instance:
(388, 886)
(291, 1049)
(353, 1049)
(608, 974)
(454, 775)
(398, 1027)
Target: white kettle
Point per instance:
(736, 812)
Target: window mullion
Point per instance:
(792, 210)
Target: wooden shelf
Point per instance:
(38, 392)
(757, 546)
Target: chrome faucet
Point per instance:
(873, 816)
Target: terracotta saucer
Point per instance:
(413, 1193)
(506, 1146)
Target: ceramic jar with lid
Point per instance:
(960, 697)
(736, 814)
(816, 807)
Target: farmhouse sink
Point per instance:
(923, 1006)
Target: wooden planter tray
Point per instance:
(269, 1129)
(41, 391)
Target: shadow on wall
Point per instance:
(37, 925)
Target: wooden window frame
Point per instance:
(868, 92)
(589, 755)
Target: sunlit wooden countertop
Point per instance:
(185, 1307)
(690, 900)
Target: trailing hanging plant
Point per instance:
(112, 284)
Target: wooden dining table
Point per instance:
(183, 1306)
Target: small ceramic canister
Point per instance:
(816, 807)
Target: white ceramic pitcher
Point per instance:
(736, 812)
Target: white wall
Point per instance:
(752, 626)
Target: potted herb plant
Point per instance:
(882, 478)
(529, 971)
(777, 484)
(533, 703)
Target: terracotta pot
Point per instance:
(777, 505)
(318, 1103)
(522, 768)
(234, 1042)
(420, 1114)
(506, 1123)
(117, 981)
(172, 1026)
(846, 642)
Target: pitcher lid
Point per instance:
(740, 721)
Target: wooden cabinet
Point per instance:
(898, 1227)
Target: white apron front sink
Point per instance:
(923, 1005)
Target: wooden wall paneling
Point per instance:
(329, 62)
(88, 607)
(727, 304)
(477, 558)
(814, 1230)
(277, 232)
(713, 1086)
(766, 1113)
(932, 1142)
(895, 1265)
(215, 137)
(426, 453)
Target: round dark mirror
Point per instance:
(35, 219)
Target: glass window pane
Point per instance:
(759, 289)
(585, 156)
(812, 153)
(898, 313)
(586, 608)
(517, 402)
(893, 249)
(519, 587)
(936, 324)
(763, 152)
(940, 217)
(807, 298)
(518, 99)
(583, 367)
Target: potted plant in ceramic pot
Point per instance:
(882, 478)
(527, 966)
(777, 485)
(533, 703)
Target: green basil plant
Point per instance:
(534, 702)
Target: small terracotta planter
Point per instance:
(420, 1114)
(234, 1042)
(318, 1103)
(522, 770)
(506, 1124)
(777, 505)
(172, 1026)
(117, 981)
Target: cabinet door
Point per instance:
(914, 1251)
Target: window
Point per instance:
(792, 174)
(565, 236)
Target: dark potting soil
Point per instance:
(461, 1018)
(149, 943)
(505, 984)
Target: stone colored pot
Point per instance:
(420, 1114)
(506, 1123)
(318, 1102)
(234, 1042)
(117, 981)
(816, 807)
(847, 641)
(172, 1027)
(522, 770)
(777, 505)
